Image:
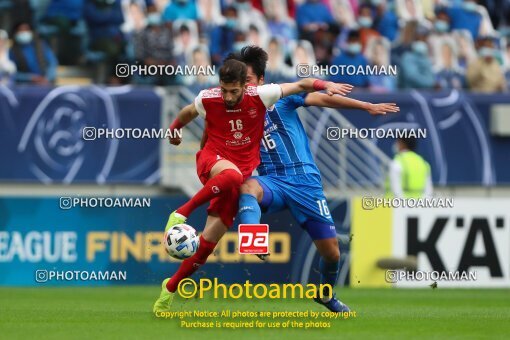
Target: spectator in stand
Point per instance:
(343, 12)
(65, 16)
(277, 71)
(313, 16)
(466, 17)
(485, 74)
(200, 58)
(249, 16)
(135, 15)
(366, 23)
(186, 40)
(415, 65)
(254, 37)
(180, 9)
(7, 67)
(154, 45)
(378, 53)
(465, 47)
(448, 73)
(386, 22)
(261, 5)
(279, 23)
(301, 52)
(104, 20)
(351, 55)
(34, 59)
(209, 13)
(441, 22)
(223, 36)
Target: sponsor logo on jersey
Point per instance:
(252, 112)
(245, 141)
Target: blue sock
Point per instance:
(329, 272)
(249, 210)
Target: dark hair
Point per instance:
(230, 9)
(366, 5)
(184, 28)
(409, 142)
(17, 25)
(233, 71)
(253, 56)
(353, 34)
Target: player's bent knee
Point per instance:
(332, 257)
(329, 251)
(234, 178)
(251, 187)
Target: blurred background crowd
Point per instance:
(436, 44)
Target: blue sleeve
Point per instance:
(290, 103)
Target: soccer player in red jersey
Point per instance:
(234, 115)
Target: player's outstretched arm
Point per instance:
(187, 114)
(322, 100)
(313, 84)
(271, 93)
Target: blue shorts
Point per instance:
(304, 197)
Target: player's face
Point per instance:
(251, 78)
(232, 93)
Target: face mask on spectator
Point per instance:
(353, 48)
(231, 23)
(153, 19)
(238, 46)
(485, 52)
(420, 47)
(470, 6)
(24, 37)
(365, 22)
(442, 26)
(243, 6)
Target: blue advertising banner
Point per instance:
(41, 139)
(55, 238)
(458, 144)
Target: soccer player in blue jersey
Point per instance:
(288, 176)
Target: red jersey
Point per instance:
(235, 133)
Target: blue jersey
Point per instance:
(284, 150)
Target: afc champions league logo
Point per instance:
(52, 139)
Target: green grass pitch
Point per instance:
(125, 313)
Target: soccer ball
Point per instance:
(181, 241)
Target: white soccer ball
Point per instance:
(181, 241)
